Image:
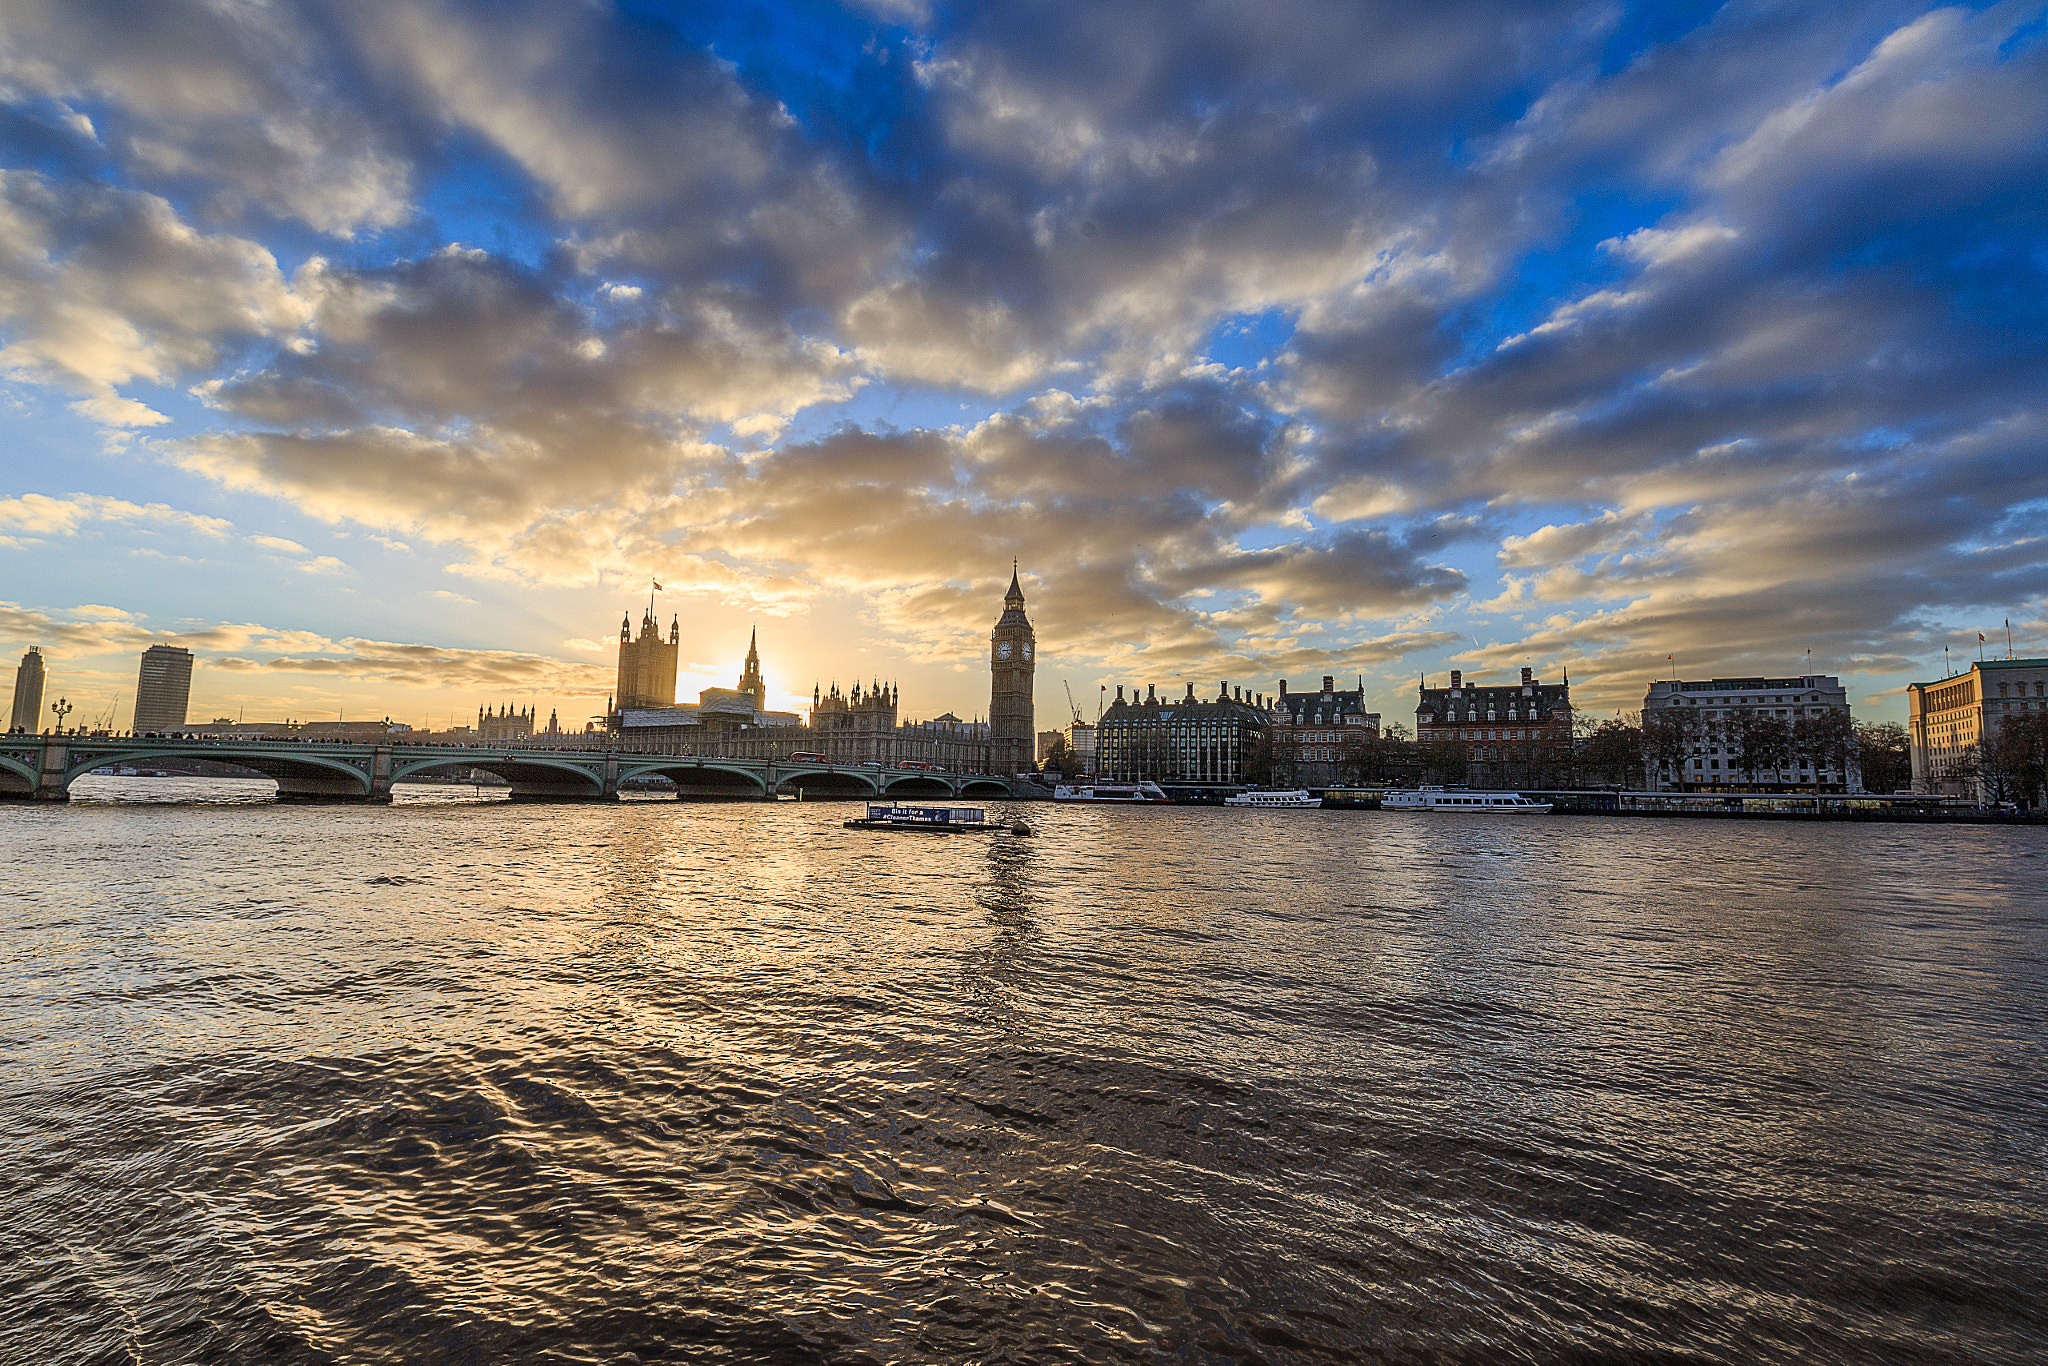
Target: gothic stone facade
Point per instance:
(1011, 667)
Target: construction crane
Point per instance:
(1072, 705)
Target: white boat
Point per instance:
(1119, 794)
(1437, 799)
(1274, 800)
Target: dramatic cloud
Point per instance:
(1270, 336)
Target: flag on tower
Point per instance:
(658, 588)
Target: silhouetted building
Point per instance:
(506, 726)
(1514, 734)
(28, 693)
(854, 727)
(1313, 730)
(163, 688)
(1189, 742)
(751, 682)
(1011, 667)
(647, 665)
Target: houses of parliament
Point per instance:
(859, 726)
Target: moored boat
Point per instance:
(1120, 794)
(1297, 799)
(934, 820)
(1441, 799)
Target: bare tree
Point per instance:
(2018, 754)
(1670, 735)
(1613, 753)
(1884, 756)
(1758, 743)
(1826, 741)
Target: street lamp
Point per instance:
(63, 708)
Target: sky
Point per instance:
(384, 352)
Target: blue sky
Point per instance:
(382, 353)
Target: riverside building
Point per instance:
(1948, 722)
(1012, 666)
(1506, 734)
(28, 693)
(1187, 742)
(163, 689)
(859, 726)
(1314, 729)
(1711, 716)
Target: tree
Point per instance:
(1270, 760)
(2018, 756)
(1825, 741)
(1445, 761)
(1884, 756)
(1062, 759)
(1758, 743)
(1612, 754)
(1670, 734)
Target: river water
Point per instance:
(461, 1081)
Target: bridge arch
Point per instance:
(298, 776)
(699, 778)
(984, 787)
(13, 768)
(832, 781)
(532, 776)
(919, 785)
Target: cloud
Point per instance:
(1280, 317)
(41, 516)
(100, 287)
(247, 648)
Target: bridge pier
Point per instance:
(51, 785)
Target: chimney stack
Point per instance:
(1283, 687)
(1457, 678)
(1526, 679)
(1329, 682)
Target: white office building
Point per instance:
(1715, 710)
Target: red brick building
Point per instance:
(1509, 734)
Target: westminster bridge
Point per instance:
(43, 767)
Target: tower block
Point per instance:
(1012, 663)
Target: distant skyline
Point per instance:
(380, 353)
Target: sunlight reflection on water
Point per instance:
(455, 1080)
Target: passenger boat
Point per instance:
(1120, 794)
(932, 820)
(1273, 800)
(1437, 799)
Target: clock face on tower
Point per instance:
(1003, 650)
(1027, 649)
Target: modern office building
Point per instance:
(1508, 735)
(1048, 740)
(163, 689)
(1950, 721)
(1314, 729)
(1708, 720)
(1081, 740)
(1188, 742)
(28, 693)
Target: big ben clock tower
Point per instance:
(1011, 665)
